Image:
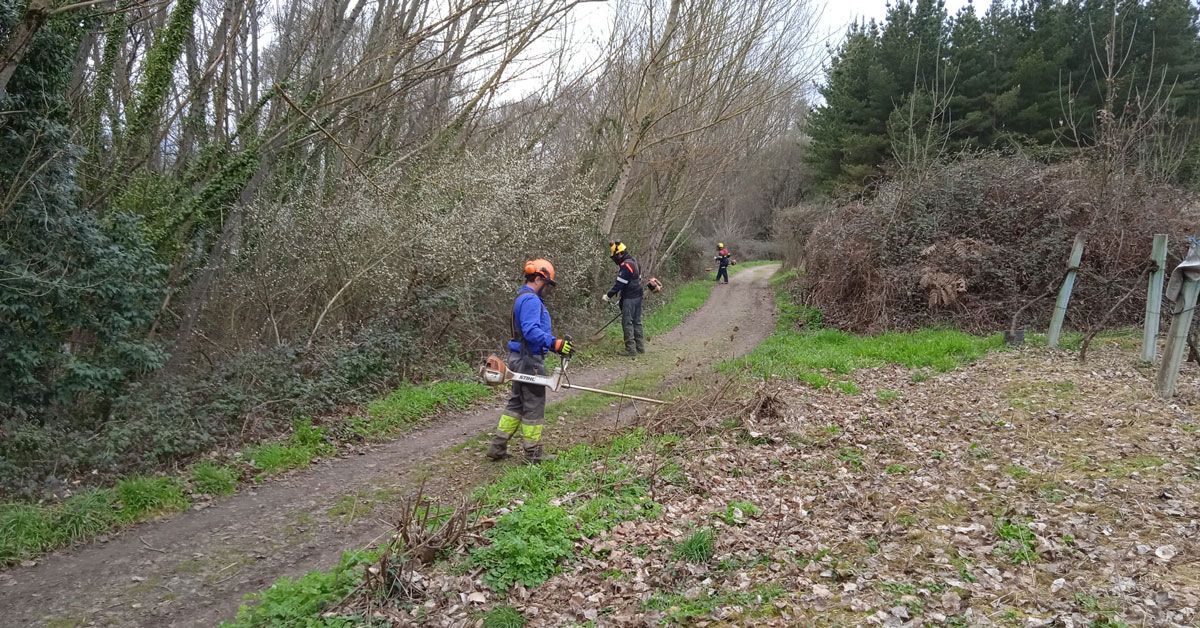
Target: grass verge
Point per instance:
(800, 349)
(29, 530)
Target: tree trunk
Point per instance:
(18, 41)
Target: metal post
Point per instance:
(1176, 349)
(1154, 294)
(1064, 293)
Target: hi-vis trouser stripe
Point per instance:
(532, 433)
(622, 280)
(508, 424)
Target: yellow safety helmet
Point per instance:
(720, 245)
(616, 247)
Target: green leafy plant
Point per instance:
(526, 546)
(299, 601)
(1018, 541)
(896, 469)
(736, 512)
(851, 456)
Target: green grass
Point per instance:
(86, 515)
(306, 443)
(530, 541)
(210, 478)
(810, 356)
(27, 530)
(408, 405)
(683, 609)
(503, 616)
(144, 496)
(697, 547)
(801, 350)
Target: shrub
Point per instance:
(981, 237)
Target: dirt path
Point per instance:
(192, 569)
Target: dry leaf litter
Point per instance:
(1027, 489)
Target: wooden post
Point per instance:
(1176, 349)
(1154, 293)
(1064, 293)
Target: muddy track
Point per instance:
(193, 568)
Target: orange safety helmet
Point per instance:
(540, 267)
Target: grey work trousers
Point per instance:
(631, 325)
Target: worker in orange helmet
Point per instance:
(531, 341)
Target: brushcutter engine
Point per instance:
(495, 373)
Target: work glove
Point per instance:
(606, 298)
(563, 346)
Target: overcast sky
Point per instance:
(589, 22)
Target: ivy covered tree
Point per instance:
(76, 294)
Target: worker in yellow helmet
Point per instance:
(531, 341)
(723, 260)
(629, 286)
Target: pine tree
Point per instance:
(849, 131)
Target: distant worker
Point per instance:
(723, 262)
(531, 340)
(629, 286)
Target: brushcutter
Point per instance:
(495, 373)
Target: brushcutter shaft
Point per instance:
(614, 394)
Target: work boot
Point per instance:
(535, 455)
(498, 450)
